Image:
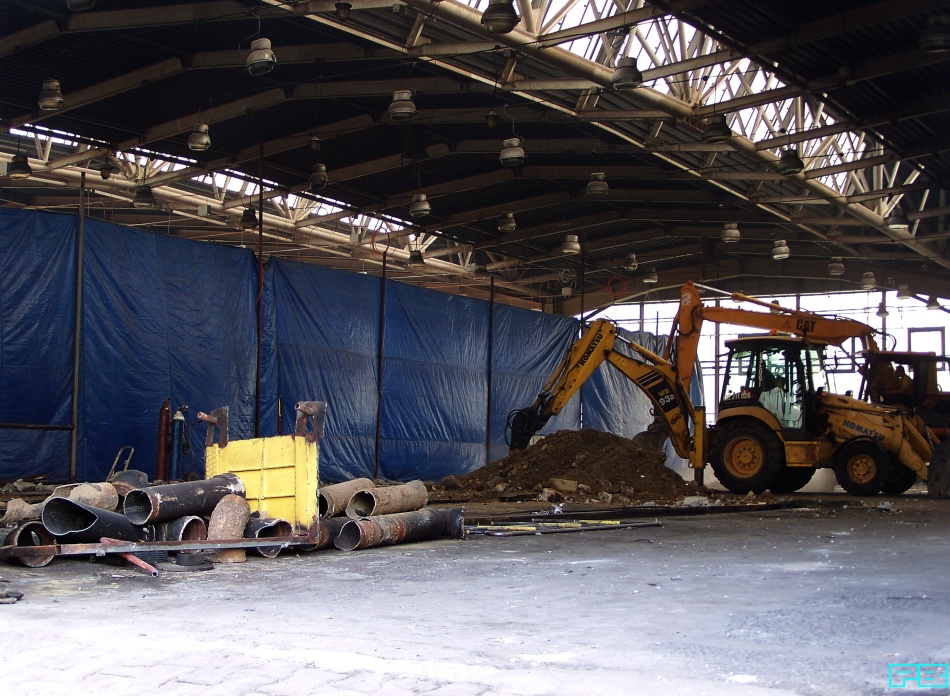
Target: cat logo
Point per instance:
(805, 325)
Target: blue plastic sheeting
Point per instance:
(434, 407)
(37, 325)
(326, 346)
(162, 317)
(529, 347)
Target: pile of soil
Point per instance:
(586, 465)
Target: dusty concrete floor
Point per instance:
(815, 602)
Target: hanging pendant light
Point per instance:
(249, 219)
(416, 259)
(651, 277)
(570, 245)
(106, 170)
(80, 5)
(491, 118)
(343, 10)
(318, 177)
(868, 281)
(790, 163)
(935, 38)
(402, 108)
(199, 140)
(882, 310)
(835, 266)
(730, 233)
(512, 154)
(716, 130)
(19, 167)
(51, 98)
(780, 250)
(597, 186)
(419, 207)
(626, 75)
(507, 223)
(897, 220)
(500, 17)
(932, 303)
(903, 292)
(630, 263)
(143, 197)
(314, 143)
(261, 59)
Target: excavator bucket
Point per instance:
(654, 437)
(938, 473)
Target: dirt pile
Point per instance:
(574, 466)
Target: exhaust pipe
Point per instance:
(333, 499)
(31, 533)
(174, 500)
(385, 530)
(77, 523)
(391, 499)
(267, 528)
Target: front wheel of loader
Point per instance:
(862, 468)
(747, 457)
(900, 480)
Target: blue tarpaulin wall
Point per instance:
(169, 318)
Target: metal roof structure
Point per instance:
(859, 90)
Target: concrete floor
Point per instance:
(815, 601)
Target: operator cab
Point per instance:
(779, 373)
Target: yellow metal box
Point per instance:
(280, 474)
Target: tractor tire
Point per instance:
(861, 467)
(900, 480)
(747, 456)
(792, 479)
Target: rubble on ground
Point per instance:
(584, 466)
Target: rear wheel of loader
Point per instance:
(791, 479)
(900, 480)
(747, 457)
(862, 467)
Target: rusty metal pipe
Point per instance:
(333, 499)
(324, 532)
(391, 499)
(75, 522)
(228, 521)
(189, 528)
(267, 528)
(384, 530)
(174, 500)
(31, 533)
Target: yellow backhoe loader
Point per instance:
(777, 424)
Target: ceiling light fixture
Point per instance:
(343, 10)
(868, 281)
(935, 38)
(261, 59)
(630, 263)
(716, 130)
(249, 219)
(402, 108)
(80, 5)
(419, 207)
(318, 177)
(512, 154)
(491, 118)
(651, 277)
(314, 142)
(416, 259)
(780, 250)
(51, 97)
(903, 292)
(897, 220)
(626, 75)
(143, 197)
(835, 266)
(790, 163)
(500, 17)
(570, 245)
(107, 169)
(19, 167)
(882, 310)
(730, 233)
(507, 223)
(199, 140)
(597, 186)
(932, 303)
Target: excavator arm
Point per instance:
(671, 404)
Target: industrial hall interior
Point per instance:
(475, 347)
